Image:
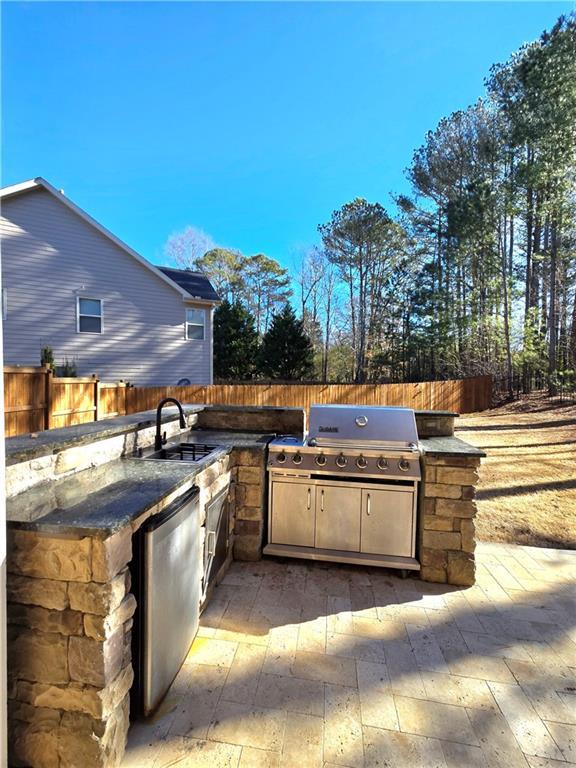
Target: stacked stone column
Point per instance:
(448, 508)
(249, 503)
(69, 639)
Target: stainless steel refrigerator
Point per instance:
(167, 573)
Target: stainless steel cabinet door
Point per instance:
(293, 514)
(387, 523)
(338, 518)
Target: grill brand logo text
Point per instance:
(328, 429)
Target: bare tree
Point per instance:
(186, 247)
(317, 280)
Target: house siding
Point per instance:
(50, 256)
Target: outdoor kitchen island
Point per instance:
(74, 508)
(77, 497)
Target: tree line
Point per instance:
(473, 271)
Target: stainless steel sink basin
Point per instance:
(190, 452)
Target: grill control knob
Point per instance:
(281, 458)
(321, 460)
(382, 463)
(361, 462)
(297, 458)
(341, 460)
(404, 465)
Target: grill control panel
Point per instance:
(329, 462)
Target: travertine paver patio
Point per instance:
(322, 665)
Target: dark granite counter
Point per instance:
(24, 447)
(449, 446)
(102, 500)
(99, 501)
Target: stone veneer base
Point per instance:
(70, 615)
(446, 522)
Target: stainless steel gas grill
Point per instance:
(348, 490)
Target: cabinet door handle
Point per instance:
(322, 501)
(368, 505)
(309, 498)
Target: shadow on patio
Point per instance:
(312, 664)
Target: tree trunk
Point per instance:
(528, 275)
(553, 315)
(572, 342)
(507, 320)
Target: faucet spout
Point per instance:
(160, 438)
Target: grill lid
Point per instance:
(363, 426)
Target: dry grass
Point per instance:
(527, 490)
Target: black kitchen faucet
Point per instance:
(160, 438)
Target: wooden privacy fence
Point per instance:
(34, 399)
(459, 395)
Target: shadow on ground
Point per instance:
(388, 642)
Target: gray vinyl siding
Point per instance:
(49, 257)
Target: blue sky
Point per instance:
(252, 121)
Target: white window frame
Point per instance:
(197, 325)
(101, 315)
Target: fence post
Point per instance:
(96, 397)
(121, 398)
(48, 398)
(129, 399)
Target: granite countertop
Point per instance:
(102, 500)
(449, 446)
(24, 447)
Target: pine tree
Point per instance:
(286, 352)
(235, 342)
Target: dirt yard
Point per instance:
(527, 490)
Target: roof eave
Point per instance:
(16, 189)
(197, 300)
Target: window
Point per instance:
(195, 320)
(89, 315)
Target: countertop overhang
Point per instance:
(449, 446)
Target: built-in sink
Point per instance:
(191, 452)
